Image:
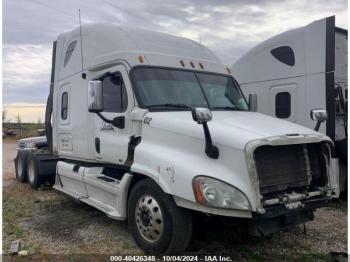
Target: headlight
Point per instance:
(211, 192)
(30, 144)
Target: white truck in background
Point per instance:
(300, 70)
(152, 128)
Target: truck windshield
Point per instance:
(177, 89)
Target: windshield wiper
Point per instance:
(170, 105)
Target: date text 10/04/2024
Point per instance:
(170, 258)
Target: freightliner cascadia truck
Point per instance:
(297, 71)
(152, 128)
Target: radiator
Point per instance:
(282, 167)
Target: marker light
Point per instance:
(141, 58)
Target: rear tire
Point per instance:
(343, 179)
(33, 171)
(157, 224)
(21, 166)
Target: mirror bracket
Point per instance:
(202, 116)
(211, 150)
(320, 115)
(118, 121)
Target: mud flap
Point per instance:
(334, 176)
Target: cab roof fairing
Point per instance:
(104, 43)
(311, 37)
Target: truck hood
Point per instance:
(229, 128)
(36, 139)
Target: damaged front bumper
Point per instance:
(279, 214)
(295, 200)
(280, 141)
(309, 181)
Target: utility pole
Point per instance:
(19, 122)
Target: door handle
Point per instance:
(97, 145)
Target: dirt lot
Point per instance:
(48, 223)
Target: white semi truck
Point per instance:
(151, 128)
(297, 71)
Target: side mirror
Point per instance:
(95, 96)
(95, 103)
(319, 115)
(253, 102)
(201, 115)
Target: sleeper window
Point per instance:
(64, 106)
(284, 54)
(114, 94)
(283, 104)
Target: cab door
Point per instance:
(111, 143)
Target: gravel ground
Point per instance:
(54, 226)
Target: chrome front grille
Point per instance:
(22, 145)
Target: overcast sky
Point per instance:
(228, 27)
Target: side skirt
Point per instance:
(91, 186)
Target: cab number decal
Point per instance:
(147, 120)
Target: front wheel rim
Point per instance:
(149, 218)
(31, 171)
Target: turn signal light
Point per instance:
(198, 192)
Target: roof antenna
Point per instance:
(83, 75)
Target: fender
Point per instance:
(173, 164)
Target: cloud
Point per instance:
(26, 65)
(228, 27)
(26, 72)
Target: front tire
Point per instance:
(21, 166)
(33, 171)
(157, 224)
